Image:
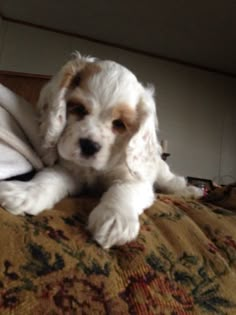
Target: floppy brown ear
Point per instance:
(144, 149)
(52, 106)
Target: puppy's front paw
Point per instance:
(109, 227)
(21, 197)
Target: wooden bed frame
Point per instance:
(25, 85)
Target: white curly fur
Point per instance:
(103, 102)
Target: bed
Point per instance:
(183, 261)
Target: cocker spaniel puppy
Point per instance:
(99, 131)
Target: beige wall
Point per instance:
(1, 35)
(196, 108)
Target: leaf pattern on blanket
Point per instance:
(183, 262)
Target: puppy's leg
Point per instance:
(43, 191)
(115, 220)
(170, 183)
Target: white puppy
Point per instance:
(98, 127)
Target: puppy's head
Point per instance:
(95, 113)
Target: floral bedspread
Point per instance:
(183, 262)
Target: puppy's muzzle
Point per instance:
(89, 147)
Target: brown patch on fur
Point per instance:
(77, 75)
(87, 72)
(79, 79)
(68, 74)
(127, 115)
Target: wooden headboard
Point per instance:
(26, 85)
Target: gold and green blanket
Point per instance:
(183, 262)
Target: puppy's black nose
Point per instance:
(89, 147)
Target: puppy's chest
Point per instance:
(92, 182)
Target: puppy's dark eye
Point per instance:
(118, 125)
(77, 109)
